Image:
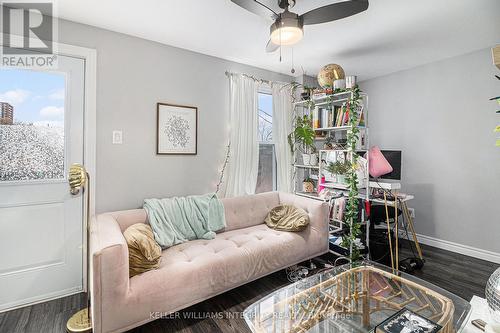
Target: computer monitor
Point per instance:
(394, 159)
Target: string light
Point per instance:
(221, 178)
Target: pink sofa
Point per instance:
(197, 270)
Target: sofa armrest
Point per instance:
(109, 282)
(318, 216)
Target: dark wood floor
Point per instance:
(462, 275)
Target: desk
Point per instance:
(402, 201)
(408, 197)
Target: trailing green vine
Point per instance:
(351, 214)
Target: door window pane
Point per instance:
(31, 125)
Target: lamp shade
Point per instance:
(379, 165)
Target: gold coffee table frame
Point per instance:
(366, 294)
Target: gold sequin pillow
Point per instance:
(144, 253)
(287, 218)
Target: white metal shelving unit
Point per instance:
(314, 167)
(302, 108)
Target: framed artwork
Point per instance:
(177, 129)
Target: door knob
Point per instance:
(77, 178)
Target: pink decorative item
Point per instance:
(320, 185)
(378, 164)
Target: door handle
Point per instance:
(77, 178)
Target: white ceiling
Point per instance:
(391, 35)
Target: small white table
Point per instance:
(479, 310)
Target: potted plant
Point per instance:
(313, 157)
(306, 92)
(303, 136)
(340, 170)
(308, 185)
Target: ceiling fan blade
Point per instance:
(271, 47)
(334, 11)
(268, 9)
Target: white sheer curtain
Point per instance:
(244, 152)
(282, 126)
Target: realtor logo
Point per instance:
(28, 34)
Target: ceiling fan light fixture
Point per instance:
(287, 35)
(287, 30)
(287, 26)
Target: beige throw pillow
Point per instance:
(287, 218)
(144, 253)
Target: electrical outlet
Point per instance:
(117, 137)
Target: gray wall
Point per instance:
(309, 81)
(134, 74)
(440, 117)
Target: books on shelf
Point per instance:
(338, 209)
(337, 116)
(325, 117)
(361, 118)
(322, 117)
(342, 117)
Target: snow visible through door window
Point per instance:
(31, 125)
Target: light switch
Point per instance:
(117, 137)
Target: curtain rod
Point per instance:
(256, 79)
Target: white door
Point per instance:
(41, 135)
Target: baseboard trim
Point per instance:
(460, 248)
(40, 299)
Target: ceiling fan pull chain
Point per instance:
(281, 47)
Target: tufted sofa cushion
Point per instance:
(249, 210)
(191, 271)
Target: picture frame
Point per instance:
(176, 129)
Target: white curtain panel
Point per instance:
(244, 154)
(282, 126)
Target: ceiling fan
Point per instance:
(287, 28)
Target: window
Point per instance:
(266, 178)
(31, 125)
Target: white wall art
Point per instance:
(176, 129)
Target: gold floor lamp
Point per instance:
(79, 180)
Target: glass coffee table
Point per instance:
(354, 299)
